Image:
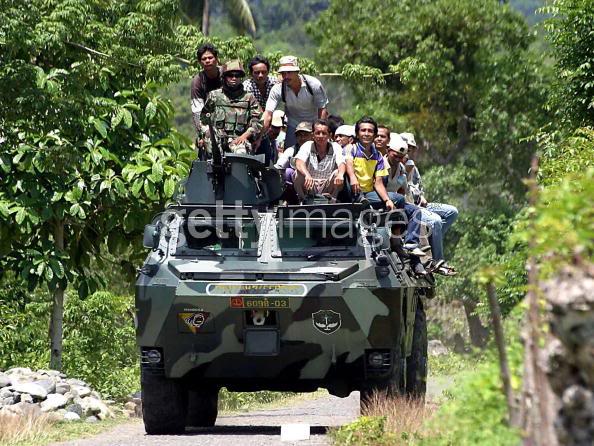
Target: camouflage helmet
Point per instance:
(233, 65)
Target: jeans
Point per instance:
(413, 229)
(447, 212)
(438, 217)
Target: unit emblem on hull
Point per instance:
(326, 321)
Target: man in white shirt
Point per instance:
(319, 165)
(303, 96)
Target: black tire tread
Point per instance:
(416, 363)
(164, 405)
(202, 408)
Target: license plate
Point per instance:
(275, 303)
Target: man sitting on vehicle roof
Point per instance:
(285, 163)
(396, 181)
(345, 135)
(446, 212)
(366, 169)
(319, 165)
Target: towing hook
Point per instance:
(258, 317)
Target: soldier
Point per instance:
(233, 113)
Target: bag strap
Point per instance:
(284, 85)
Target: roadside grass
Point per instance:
(386, 421)
(41, 430)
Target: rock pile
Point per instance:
(570, 353)
(25, 392)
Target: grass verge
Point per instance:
(386, 421)
(41, 430)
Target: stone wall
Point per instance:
(569, 355)
(27, 392)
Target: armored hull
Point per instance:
(249, 295)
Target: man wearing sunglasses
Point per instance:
(233, 112)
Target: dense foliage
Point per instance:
(464, 78)
(570, 33)
(87, 140)
(110, 367)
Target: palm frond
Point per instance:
(240, 15)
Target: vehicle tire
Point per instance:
(416, 363)
(391, 386)
(202, 408)
(164, 405)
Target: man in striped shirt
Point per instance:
(319, 165)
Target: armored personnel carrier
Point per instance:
(243, 293)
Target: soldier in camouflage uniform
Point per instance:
(233, 112)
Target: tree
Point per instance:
(571, 33)
(238, 11)
(463, 77)
(88, 151)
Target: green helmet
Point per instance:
(233, 65)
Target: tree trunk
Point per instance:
(478, 333)
(57, 319)
(205, 17)
(503, 363)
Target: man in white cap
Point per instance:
(303, 96)
(345, 135)
(447, 213)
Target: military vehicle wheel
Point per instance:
(416, 363)
(202, 408)
(391, 386)
(164, 405)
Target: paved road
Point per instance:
(260, 427)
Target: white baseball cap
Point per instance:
(346, 130)
(409, 138)
(278, 118)
(398, 144)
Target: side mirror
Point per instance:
(151, 236)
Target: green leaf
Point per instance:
(169, 187)
(100, 127)
(49, 274)
(127, 118)
(119, 186)
(136, 187)
(150, 111)
(105, 184)
(20, 215)
(57, 267)
(74, 209)
(4, 208)
(157, 172)
(117, 117)
(150, 190)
